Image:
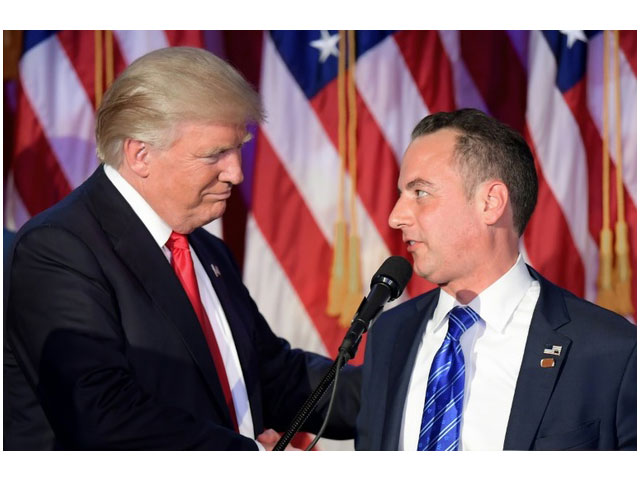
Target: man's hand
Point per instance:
(269, 438)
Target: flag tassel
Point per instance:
(622, 275)
(338, 279)
(622, 272)
(353, 296)
(606, 295)
(354, 284)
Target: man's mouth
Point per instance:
(220, 195)
(411, 245)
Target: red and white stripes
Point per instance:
(400, 80)
(289, 239)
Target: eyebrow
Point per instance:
(247, 137)
(418, 182)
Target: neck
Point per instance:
(494, 266)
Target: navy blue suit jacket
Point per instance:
(109, 343)
(587, 401)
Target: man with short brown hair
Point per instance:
(497, 357)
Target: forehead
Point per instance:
(429, 156)
(210, 133)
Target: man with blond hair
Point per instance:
(129, 321)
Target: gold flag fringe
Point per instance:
(622, 272)
(338, 279)
(354, 282)
(606, 295)
(614, 283)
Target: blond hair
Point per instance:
(166, 87)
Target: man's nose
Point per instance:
(232, 172)
(399, 216)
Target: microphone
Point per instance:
(386, 285)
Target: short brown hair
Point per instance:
(486, 149)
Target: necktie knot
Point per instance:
(177, 241)
(460, 320)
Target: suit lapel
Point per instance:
(137, 248)
(535, 383)
(403, 358)
(220, 278)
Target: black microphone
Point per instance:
(386, 285)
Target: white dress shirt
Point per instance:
(493, 348)
(161, 232)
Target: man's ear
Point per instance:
(136, 157)
(495, 198)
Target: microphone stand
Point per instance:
(303, 414)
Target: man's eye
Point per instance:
(420, 193)
(215, 157)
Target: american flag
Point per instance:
(548, 85)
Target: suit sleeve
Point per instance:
(64, 328)
(626, 416)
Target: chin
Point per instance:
(426, 273)
(216, 211)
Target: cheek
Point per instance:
(465, 233)
(205, 177)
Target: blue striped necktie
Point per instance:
(442, 415)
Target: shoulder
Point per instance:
(414, 308)
(421, 302)
(599, 323)
(586, 320)
(74, 213)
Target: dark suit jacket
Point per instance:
(109, 342)
(587, 401)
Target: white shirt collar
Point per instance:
(158, 228)
(496, 303)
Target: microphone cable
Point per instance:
(339, 365)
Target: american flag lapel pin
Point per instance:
(552, 350)
(216, 270)
(549, 349)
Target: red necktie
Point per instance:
(183, 265)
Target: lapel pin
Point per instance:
(216, 270)
(552, 349)
(548, 362)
